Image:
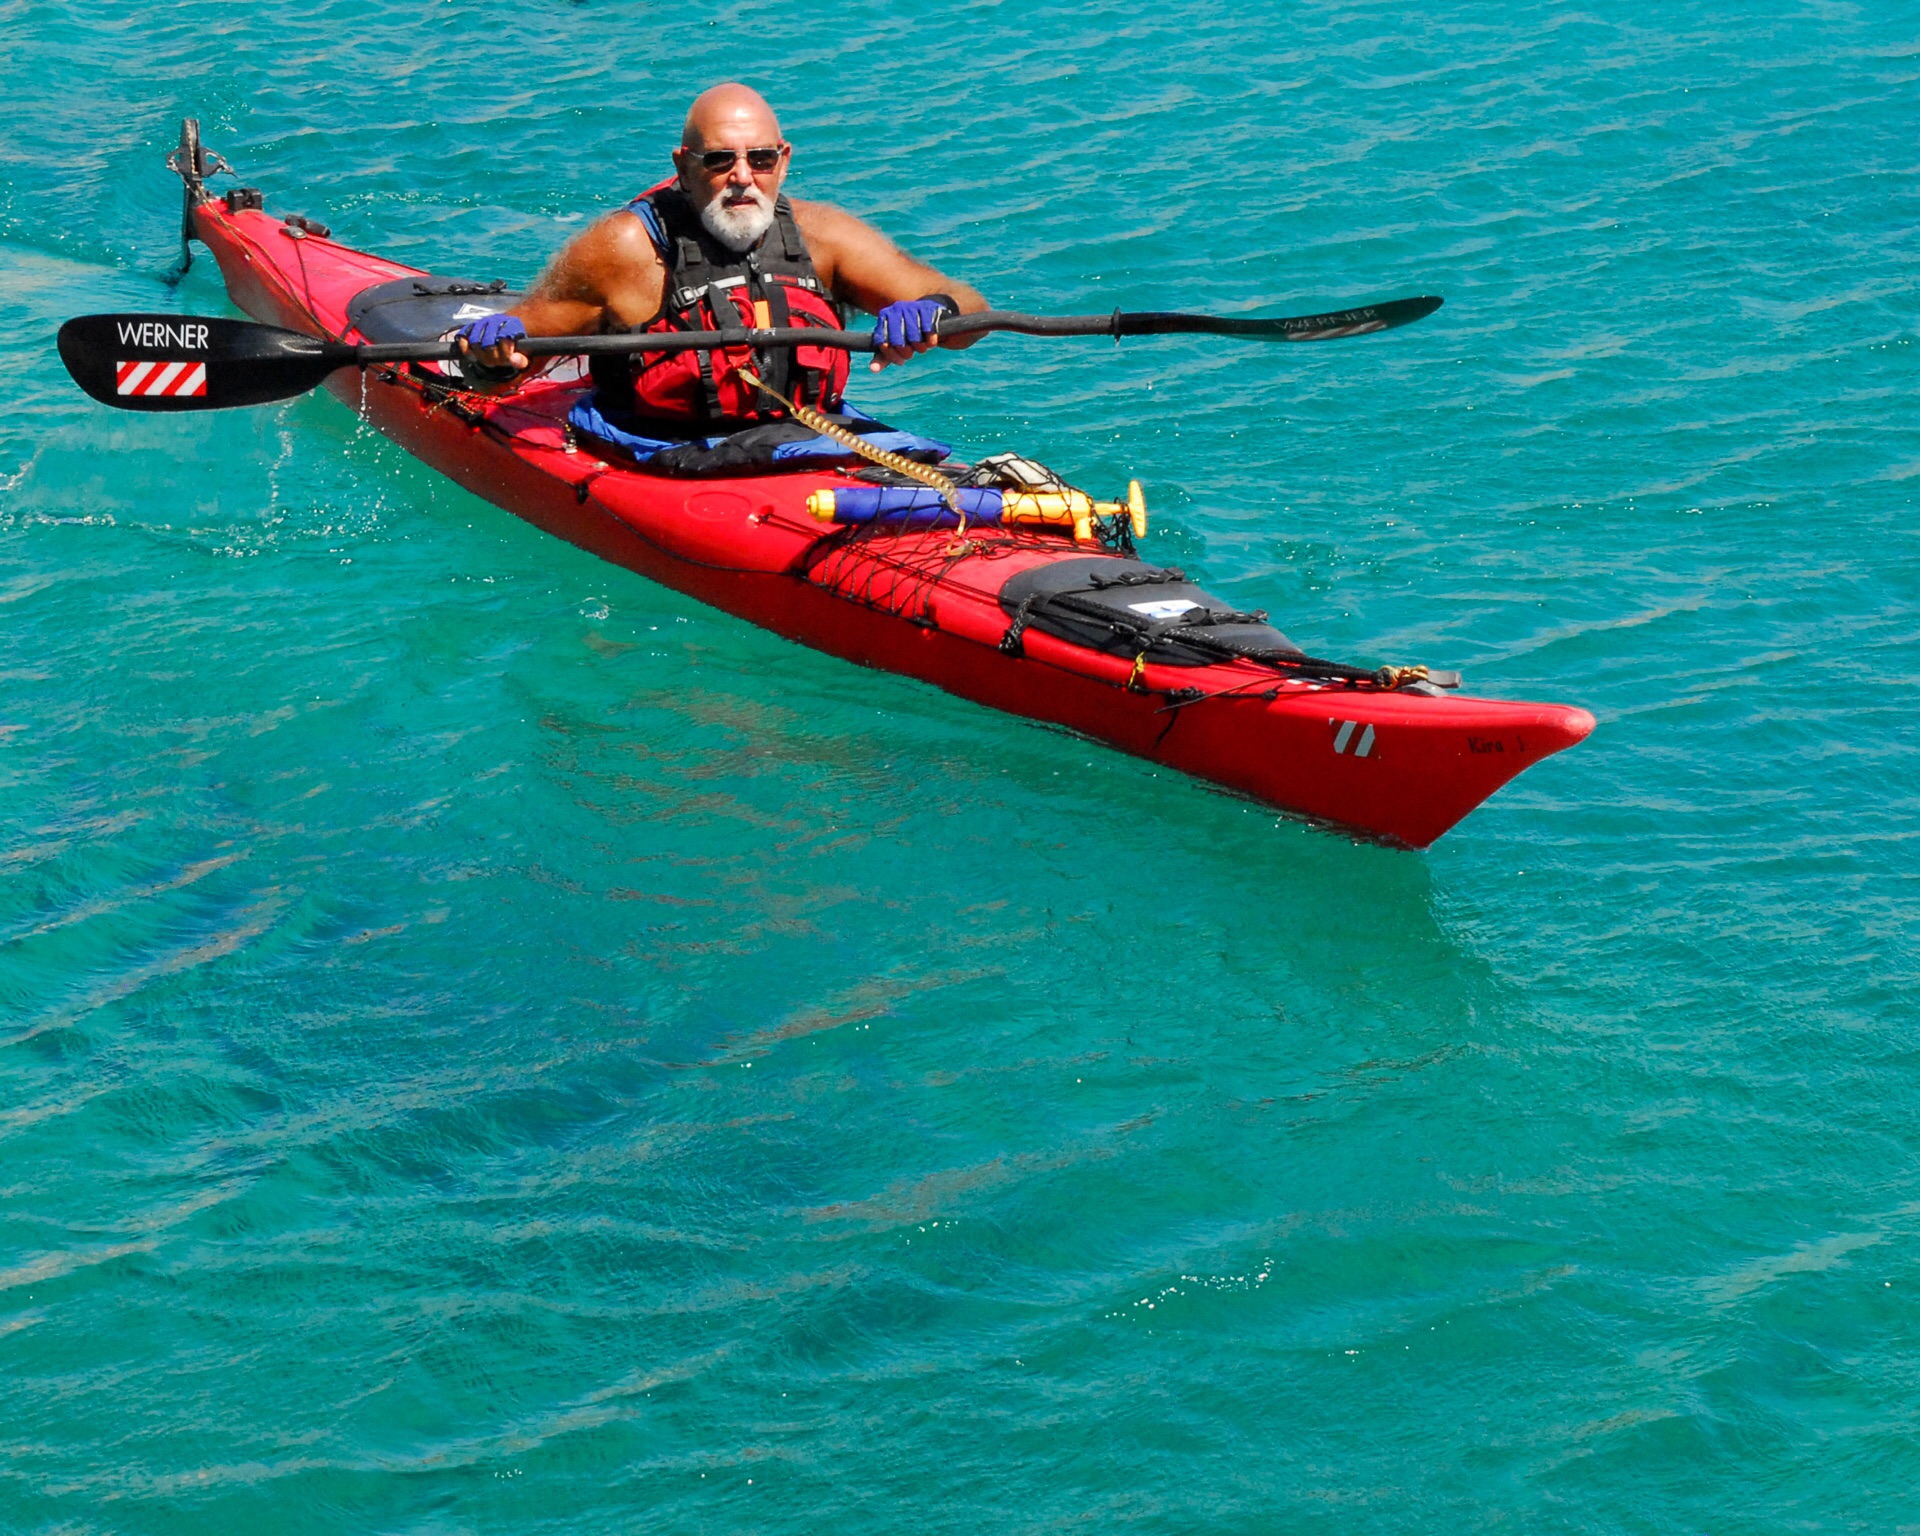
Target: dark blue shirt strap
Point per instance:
(643, 209)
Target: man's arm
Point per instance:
(863, 267)
(610, 269)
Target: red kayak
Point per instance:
(1023, 618)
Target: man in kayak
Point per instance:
(719, 246)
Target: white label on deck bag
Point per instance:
(1166, 608)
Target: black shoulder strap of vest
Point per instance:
(792, 243)
(692, 274)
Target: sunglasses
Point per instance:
(718, 160)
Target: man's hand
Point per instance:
(487, 351)
(906, 328)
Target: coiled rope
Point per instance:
(898, 463)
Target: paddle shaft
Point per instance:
(1347, 322)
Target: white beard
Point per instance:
(740, 227)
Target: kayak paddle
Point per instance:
(194, 363)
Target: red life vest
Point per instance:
(709, 288)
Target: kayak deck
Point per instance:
(1387, 763)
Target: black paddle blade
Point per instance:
(192, 363)
(1362, 320)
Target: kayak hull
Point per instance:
(1389, 765)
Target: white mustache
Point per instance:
(739, 216)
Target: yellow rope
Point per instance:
(911, 468)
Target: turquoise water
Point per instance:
(491, 1045)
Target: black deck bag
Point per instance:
(1128, 608)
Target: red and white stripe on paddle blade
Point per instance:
(153, 378)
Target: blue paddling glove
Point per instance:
(909, 322)
(487, 331)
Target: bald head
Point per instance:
(732, 162)
(730, 116)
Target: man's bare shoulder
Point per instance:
(824, 224)
(618, 238)
(604, 259)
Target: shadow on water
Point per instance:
(855, 806)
